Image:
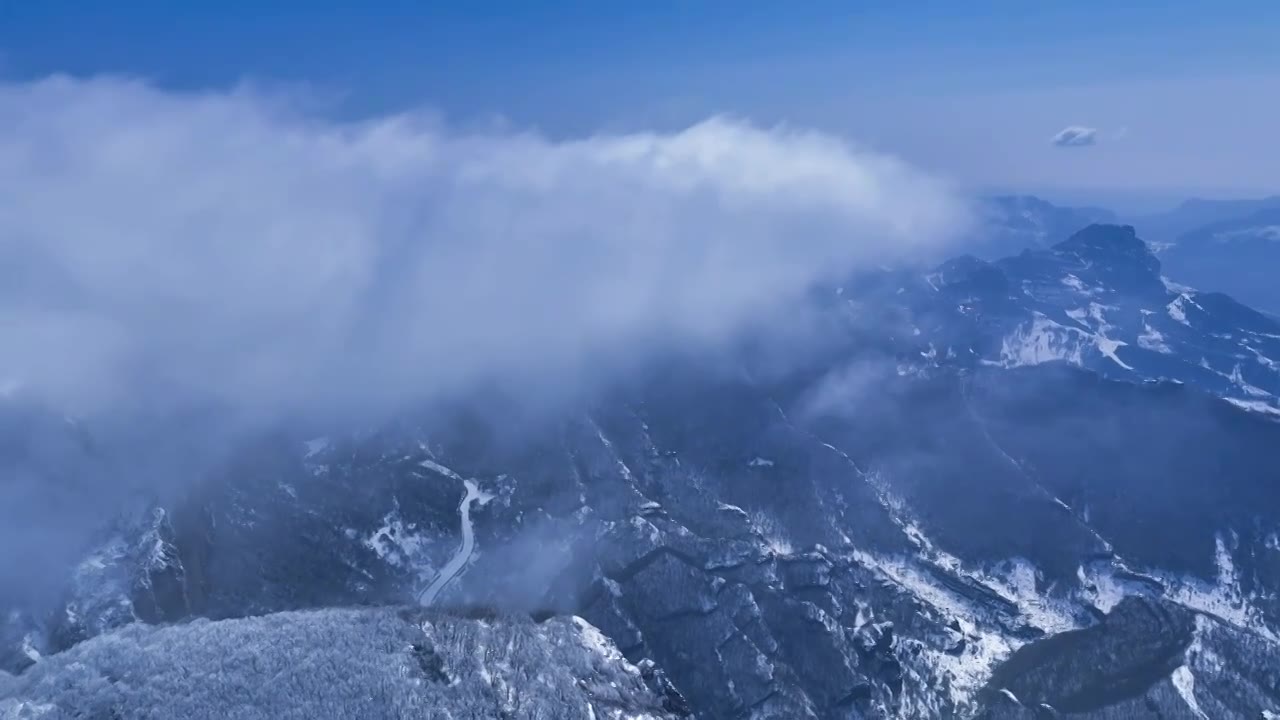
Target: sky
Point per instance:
(1170, 99)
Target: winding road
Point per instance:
(459, 561)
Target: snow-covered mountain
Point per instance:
(1233, 255)
(1164, 228)
(1097, 300)
(993, 487)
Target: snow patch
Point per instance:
(1046, 341)
(1257, 406)
(1269, 233)
(315, 446)
(29, 648)
(1018, 580)
(595, 641)
(399, 544)
(1106, 345)
(1178, 308)
(1042, 341)
(441, 469)
(1185, 683)
(1151, 339)
(1237, 378)
(1263, 360)
(1224, 598)
(771, 533)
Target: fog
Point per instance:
(235, 250)
(178, 270)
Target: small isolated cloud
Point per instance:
(1076, 136)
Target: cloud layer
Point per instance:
(228, 249)
(1075, 136)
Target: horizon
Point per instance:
(1158, 103)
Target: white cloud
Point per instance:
(225, 248)
(1075, 136)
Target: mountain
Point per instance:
(1096, 300)
(1046, 480)
(1232, 255)
(1164, 228)
(1009, 224)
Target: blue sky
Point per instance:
(1183, 95)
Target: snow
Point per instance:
(986, 645)
(761, 462)
(29, 649)
(1185, 683)
(771, 533)
(1151, 339)
(459, 561)
(315, 446)
(1270, 233)
(1263, 360)
(1017, 580)
(1106, 345)
(1073, 282)
(1223, 599)
(1237, 379)
(595, 641)
(622, 466)
(1046, 341)
(1178, 308)
(1108, 348)
(1043, 341)
(399, 544)
(1257, 406)
(438, 468)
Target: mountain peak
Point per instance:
(1110, 243)
(1102, 236)
(1116, 253)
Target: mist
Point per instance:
(232, 250)
(181, 270)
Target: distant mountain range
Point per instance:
(1009, 224)
(1227, 246)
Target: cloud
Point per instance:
(178, 271)
(231, 249)
(1075, 136)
